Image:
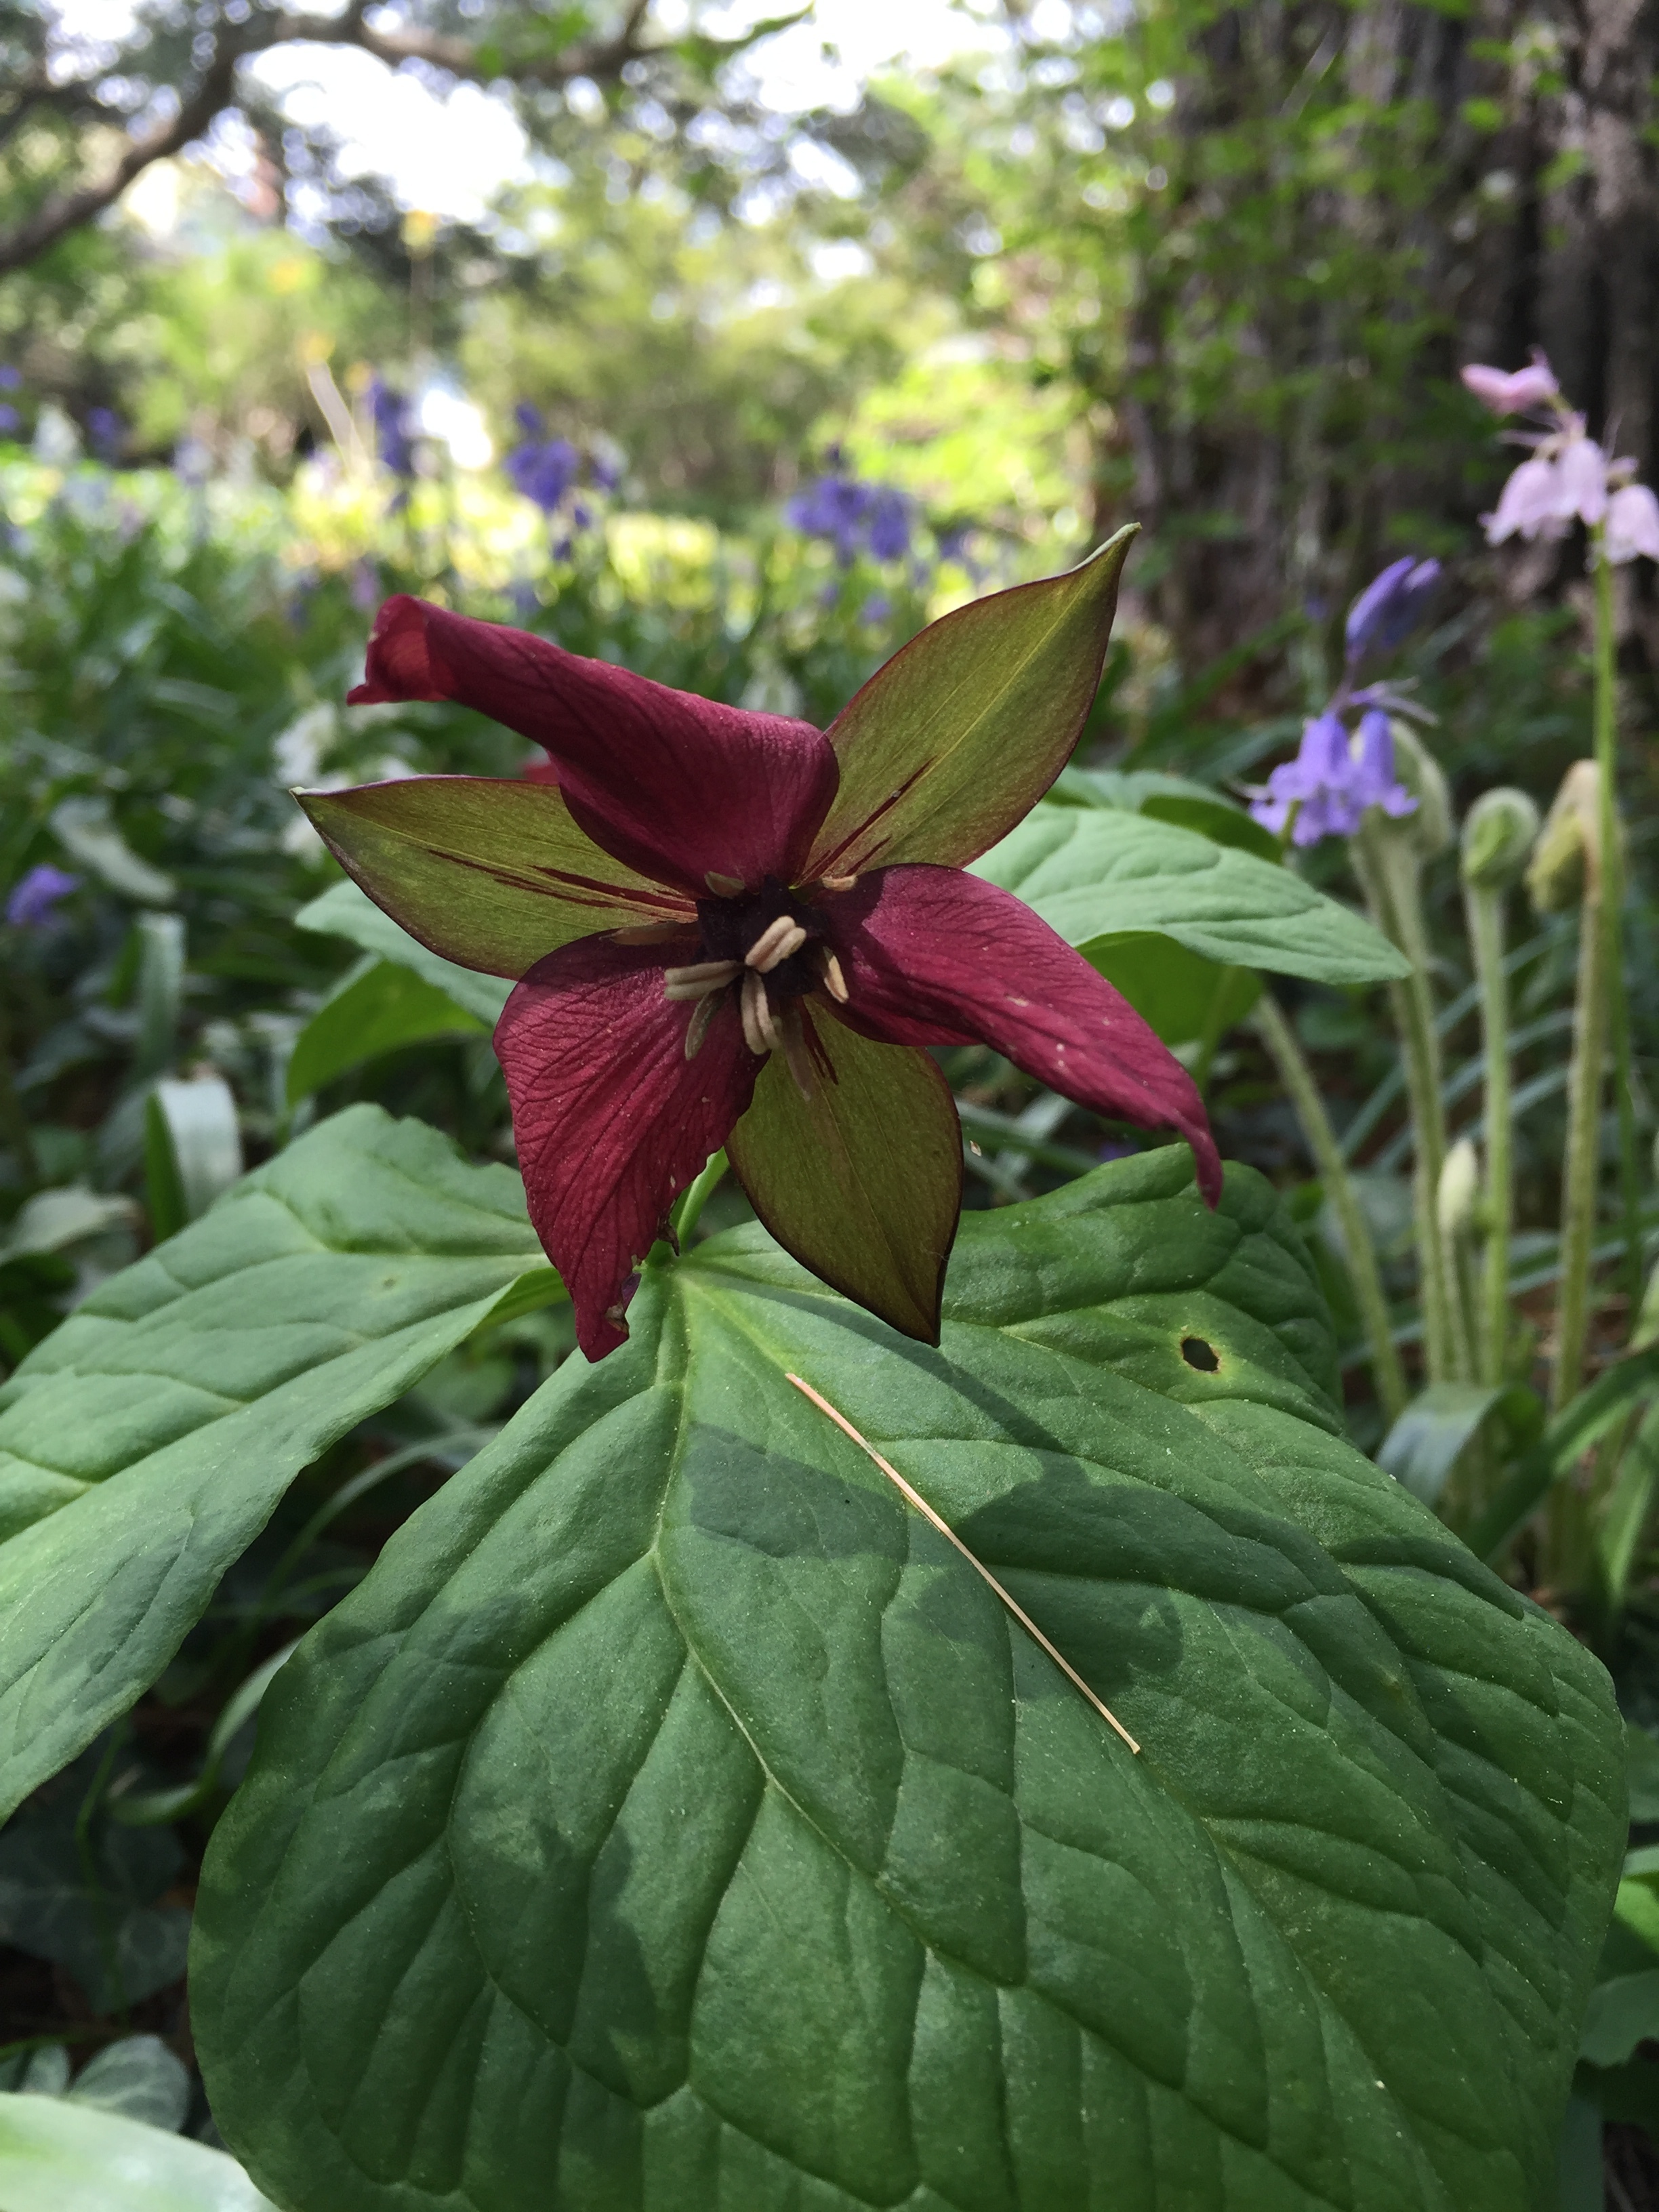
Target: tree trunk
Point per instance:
(1495, 186)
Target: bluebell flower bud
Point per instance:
(1498, 833)
(1389, 607)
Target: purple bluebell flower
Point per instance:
(855, 518)
(106, 433)
(364, 589)
(1318, 784)
(875, 609)
(528, 418)
(581, 515)
(32, 900)
(10, 421)
(542, 470)
(1389, 607)
(1375, 783)
(394, 428)
(834, 508)
(1329, 787)
(889, 525)
(604, 471)
(11, 379)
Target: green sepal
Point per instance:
(488, 872)
(862, 1182)
(963, 731)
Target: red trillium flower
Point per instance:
(729, 928)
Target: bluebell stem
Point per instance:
(34, 898)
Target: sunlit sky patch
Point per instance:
(449, 156)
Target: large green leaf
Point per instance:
(381, 1006)
(672, 1819)
(344, 911)
(1161, 910)
(144, 1445)
(59, 2155)
(965, 727)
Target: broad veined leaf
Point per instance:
(144, 1445)
(1099, 876)
(59, 2155)
(966, 727)
(380, 1007)
(674, 1820)
(1174, 798)
(345, 911)
(485, 870)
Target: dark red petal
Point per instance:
(612, 1120)
(931, 956)
(679, 786)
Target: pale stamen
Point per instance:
(699, 980)
(776, 942)
(837, 883)
(759, 1031)
(699, 1021)
(725, 886)
(834, 981)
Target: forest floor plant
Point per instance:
(711, 1792)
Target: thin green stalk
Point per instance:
(1486, 916)
(1297, 1078)
(1388, 872)
(697, 1197)
(1581, 1174)
(1612, 908)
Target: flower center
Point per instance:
(767, 946)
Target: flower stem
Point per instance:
(1581, 1174)
(697, 1194)
(1389, 875)
(1297, 1078)
(1612, 908)
(1485, 918)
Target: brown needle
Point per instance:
(914, 1497)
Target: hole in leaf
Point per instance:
(1197, 1353)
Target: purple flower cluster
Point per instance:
(1330, 785)
(1569, 478)
(11, 420)
(855, 518)
(394, 418)
(32, 900)
(546, 470)
(541, 469)
(1338, 774)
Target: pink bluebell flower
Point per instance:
(1513, 392)
(1632, 524)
